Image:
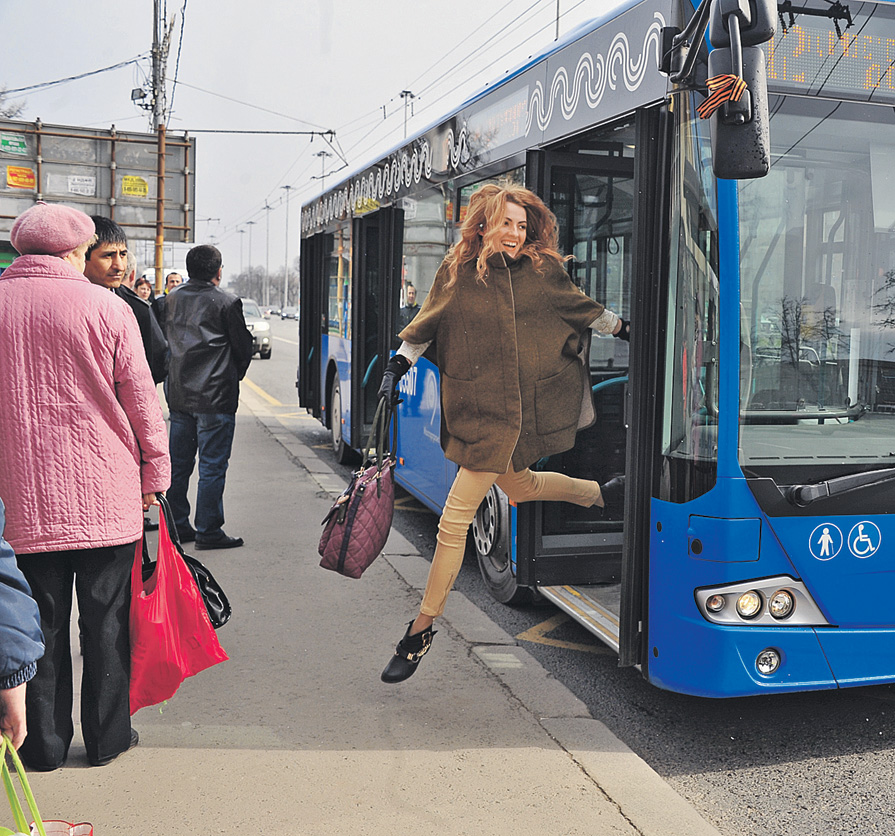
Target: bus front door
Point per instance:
(581, 558)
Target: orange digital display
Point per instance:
(810, 57)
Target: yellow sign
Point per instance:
(19, 177)
(134, 186)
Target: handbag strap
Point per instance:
(18, 814)
(378, 439)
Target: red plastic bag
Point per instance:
(170, 632)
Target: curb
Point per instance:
(643, 798)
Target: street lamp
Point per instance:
(286, 278)
(267, 263)
(241, 239)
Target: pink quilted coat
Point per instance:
(82, 435)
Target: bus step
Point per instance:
(596, 608)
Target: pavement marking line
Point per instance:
(409, 503)
(538, 635)
(284, 340)
(259, 391)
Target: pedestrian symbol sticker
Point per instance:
(864, 539)
(825, 541)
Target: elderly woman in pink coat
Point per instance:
(83, 451)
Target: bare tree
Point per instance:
(8, 109)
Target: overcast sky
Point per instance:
(272, 65)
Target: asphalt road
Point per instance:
(814, 763)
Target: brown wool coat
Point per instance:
(511, 380)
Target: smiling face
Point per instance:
(514, 230)
(107, 264)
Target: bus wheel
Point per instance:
(491, 540)
(340, 448)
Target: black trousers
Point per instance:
(101, 578)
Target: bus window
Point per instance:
(427, 236)
(338, 272)
(515, 177)
(817, 251)
(690, 431)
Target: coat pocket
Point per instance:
(558, 401)
(460, 408)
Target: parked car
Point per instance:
(259, 327)
(289, 313)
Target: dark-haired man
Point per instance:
(211, 349)
(107, 256)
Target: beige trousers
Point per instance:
(467, 492)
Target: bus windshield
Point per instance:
(817, 253)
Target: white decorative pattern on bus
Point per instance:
(592, 75)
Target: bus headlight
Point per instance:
(781, 604)
(749, 604)
(767, 661)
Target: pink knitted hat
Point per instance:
(50, 230)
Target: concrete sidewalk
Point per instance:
(297, 735)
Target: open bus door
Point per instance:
(377, 271)
(312, 324)
(606, 190)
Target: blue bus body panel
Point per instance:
(688, 653)
(422, 467)
(337, 351)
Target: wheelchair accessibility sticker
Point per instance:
(825, 541)
(864, 539)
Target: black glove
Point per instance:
(395, 369)
(625, 331)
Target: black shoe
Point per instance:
(149, 525)
(407, 655)
(222, 542)
(135, 739)
(186, 535)
(613, 493)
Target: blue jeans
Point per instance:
(211, 436)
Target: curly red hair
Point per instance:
(482, 228)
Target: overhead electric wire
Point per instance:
(177, 62)
(78, 77)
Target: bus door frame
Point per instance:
(312, 324)
(643, 395)
(390, 223)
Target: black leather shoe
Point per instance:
(222, 542)
(613, 493)
(149, 525)
(407, 655)
(135, 739)
(186, 535)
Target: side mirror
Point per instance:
(756, 19)
(742, 149)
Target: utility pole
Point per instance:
(408, 97)
(286, 278)
(267, 263)
(323, 155)
(250, 224)
(161, 40)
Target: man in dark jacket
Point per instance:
(154, 343)
(21, 641)
(211, 349)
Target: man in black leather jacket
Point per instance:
(211, 349)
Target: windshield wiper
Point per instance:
(804, 495)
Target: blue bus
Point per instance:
(753, 411)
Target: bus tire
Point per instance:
(341, 450)
(491, 540)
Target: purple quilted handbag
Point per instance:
(357, 526)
